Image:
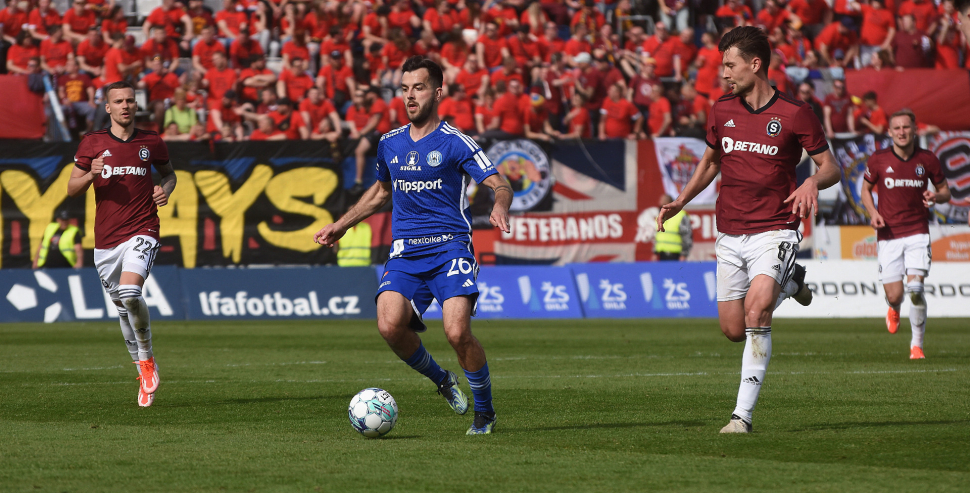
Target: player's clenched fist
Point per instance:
(159, 196)
(329, 235)
(97, 164)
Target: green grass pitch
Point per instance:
(584, 405)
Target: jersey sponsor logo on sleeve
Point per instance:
(774, 127)
(417, 186)
(890, 183)
(729, 144)
(109, 171)
(434, 158)
(730, 123)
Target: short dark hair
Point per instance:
(961, 5)
(751, 42)
(419, 62)
(116, 85)
(870, 95)
(904, 112)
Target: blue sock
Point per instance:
(481, 386)
(424, 364)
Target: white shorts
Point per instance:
(135, 255)
(742, 257)
(907, 255)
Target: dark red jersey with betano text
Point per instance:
(123, 191)
(901, 184)
(759, 152)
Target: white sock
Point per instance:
(138, 317)
(754, 365)
(917, 312)
(787, 291)
(128, 333)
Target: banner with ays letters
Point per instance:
(234, 204)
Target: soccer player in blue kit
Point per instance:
(424, 168)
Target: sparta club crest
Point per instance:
(143, 153)
(774, 127)
(920, 170)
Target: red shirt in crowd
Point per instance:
(335, 80)
(461, 113)
(707, 72)
(41, 21)
(317, 111)
(493, 50)
(167, 51)
(292, 50)
(809, 11)
(288, 124)
(169, 19)
(75, 86)
(160, 87)
(251, 93)
(55, 54)
(13, 22)
(233, 20)
(618, 118)
(834, 39)
(441, 24)
(80, 24)
(511, 110)
(581, 123)
(924, 12)
(901, 184)
(841, 108)
(524, 51)
(658, 108)
(876, 24)
(110, 26)
(241, 50)
(205, 50)
(220, 81)
(472, 82)
(296, 84)
(912, 50)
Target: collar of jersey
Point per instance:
(767, 105)
(115, 137)
(411, 140)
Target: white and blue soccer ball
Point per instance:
(373, 412)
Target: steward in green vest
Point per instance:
(61, 245)
(675, 242)
(354, 247)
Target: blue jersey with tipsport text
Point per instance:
(429, 180)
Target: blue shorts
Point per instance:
(440, 276)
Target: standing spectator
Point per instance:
(588, 83)
(691, 111)
(708, 62)
(837, 110)
(374, 28)
(910, 47)
(924, 14)
(577, 119)
(948, 42)
(609, 75)
(163, 47)
(91, 52)
(172, 18)
(40, 20)
(243, 49)
(806, 93)
(878, 30)
(491, 48)
(77, 21)
(364, 117)
(266, 130)
(660, 47)
(537, 20)
(620, 119)
(55, 52)
(204, 49)
(255, 78)
(288, 121)
(393, 55)
(180, 113)
(577, 44)
(293, 83)
(838, 44)
(336, 80)
(77, 95)
(218, 80)
(160, 84)
(510, 109)
(458, 110)
(319, 116)
(336, 42)
(660, 118)
(814, 14)
(869, 117)
(503, 13)
(537, 126)
(676, 239)
(454, 53)
(473, 78)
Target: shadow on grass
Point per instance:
(593, 426)
(876, 424)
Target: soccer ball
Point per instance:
(373, 412)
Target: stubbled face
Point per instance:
(740, 74)
(420, 95)
(121, 106)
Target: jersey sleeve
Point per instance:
(85, 154)
(934, 170)
(160, 157)
(872, 169)
(809, 131)
(471, 159)
(712, 129)
(383, 173)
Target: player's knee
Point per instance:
(391, 329)
(459, 337)
(915, 290)
(130, 297)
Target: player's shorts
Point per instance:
(907, 255)
(425, 278)
(742, 257)
(135, 255)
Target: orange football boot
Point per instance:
(892, 320)
(916, 352)
(149, 375)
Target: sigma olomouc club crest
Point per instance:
(434, 158)
(143, 153)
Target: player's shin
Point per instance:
(754, 365)
(481, 385)
(138, 318)
(128, 333)
(917, 312)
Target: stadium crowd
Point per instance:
(545, 69)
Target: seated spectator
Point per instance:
(77, 21)
(76, 93)
(160, 85)
(195, 134)
(230, 19)
(620, 119)
(773, 16)
(837, 110)
(491, 48)
(122, 62)
(201, 16)
(577, 44)
(458, 110)
(55, 52)
(171, 18)
(777, 76)
(21, 53)
(375, 27)
(114, 22)
(691, 114)
(537, 125)
(368, 118)
(485, 116)
(90, 53)
(878, 30)
(293, 83)
(203, 50)
(256, 78)
(473, 78)
(225, 117)
(295, 48)
(734, 13)
(243, 49)
(454, 53)
(440, 19)
(948, 43)
(266, 130)
(504, 14)
(536, 18)
(910, 47)
(806, 93)
(399, 113)
(217, 81)
(162, 47)
(551, 43)
(336, 80)
(267, 102)
(320, 117)
(510, 109)
(525, 50)
(180, 113)
(869, 117)
(577, 119)
(510, 70)
(588, 16)
(838, 44)
(288, 121)
(402, 17)
(336, 45)
(393, 55)
(660, 117)
(40, 20)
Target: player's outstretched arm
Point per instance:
(165, 188)
(503, 200)
(373, 200)
(804, 200)
(705, 173)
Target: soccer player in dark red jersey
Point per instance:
(755, 137)
(118, 162)
(903, 173)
